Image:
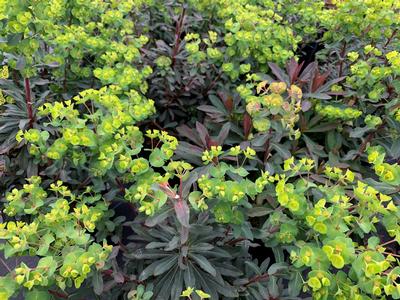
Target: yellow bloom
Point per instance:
(187, 292)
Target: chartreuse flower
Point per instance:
(235, 151)
(372, 121)
(249, 153)
(353, 56)
(338, 175)
(273, 104)
(188, 292)
(337, 112)
(202, 294)
(227, 195)
(311, 256)
(289, 197)
(58, 234)
(277, 87)
(335, 208)
(388, 173)
(110, 141)
(179, 168)
(320, 282)
(89, 216)
(4, 72)
(287, 233)
(139, 166)
(339, 251)
(144, 182)
(197, 200)
(240, 18)
(163, 62)
(376, 155)
(77, 264)
(209, 155)
(27, 200)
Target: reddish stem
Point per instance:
(126, 278)
(213, 83)
(180, 188)
(387, 243)
(28, 100)
(120, 185)
(257, 278)
(57, 294)
(235, 241)
(342, 53)
(178, 31)
(390, 38)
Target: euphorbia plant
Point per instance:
(325, 220)
(100, 183)
(58, 228)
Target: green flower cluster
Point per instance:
(302, 15)
(84, 116)
(251, 31)
(328, 210)
(370, 20)
(387, 173)
(335, 112)
(274, 103)
(108, 133)
(4, 75)
(372, 121)
(75, 31)
(226, 197)
(59, 233)
(373, 73)
(146, 179)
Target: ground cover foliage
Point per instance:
(222, 149)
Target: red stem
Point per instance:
(28, 100)
(120, 185)
(390, 38)
(213, 83)
(342, 53)
(257, 278)
(180, 188)
(57, 294)
(126, 278)
(178, 31)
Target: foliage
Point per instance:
(204, 149)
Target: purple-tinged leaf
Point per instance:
(319, 80)
(182, 212)
(203, 133)
(118, 277)
(184, 234)
(293, 69)
(308, 72)
(306, 105)
(229, 104)
(158, 218)
(321, 96)
(223, 134)
(247, 125)
(187, 132)
(215, 101)
(209, 109)
(278, 72)
(328, 84)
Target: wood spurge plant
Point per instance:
(208, 149)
